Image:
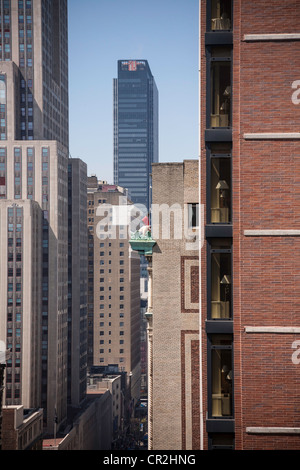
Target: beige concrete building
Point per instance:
(33, 259)
(174, 353)
(114, 287)
(34, 204)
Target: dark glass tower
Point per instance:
(135, 129)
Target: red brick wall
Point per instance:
(269, 180)
(266, 195)
(261, 16)
(267, 72)
(9, 435)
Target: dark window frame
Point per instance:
(209, 18)
(209, 156)
(210, 348)
(210, 251)
(209, 61)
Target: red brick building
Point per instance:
(250, 188)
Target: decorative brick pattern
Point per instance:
(189, 284)
(176, 398)
(190, 418)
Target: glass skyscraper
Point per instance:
(135, 129)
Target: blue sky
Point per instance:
(101, 32)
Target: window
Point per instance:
(219, 280)
(193, 215)
(220, 15)
(220, 86)
(219, 197)
(220, 372)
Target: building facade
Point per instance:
(135, 128)
(173, 398)
(250, 141)
(23, 428)
(34, 203)
(77, 281)
(113, 286)
(224, 335)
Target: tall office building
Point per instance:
(34, 203)
(113, 286)
(135, 129)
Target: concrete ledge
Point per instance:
(272, 135)
(272, 37)
(272, 329)
(272, 430)
(272, 233)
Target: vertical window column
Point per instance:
(219, 184)
(17, 172)
(45, 156)
(45, 178)
(220, 362)
(219, 280)
(219, 86)
(14, 301)
(3, 127)
(30, 173)
(25, 12)
(6, 30)
(2, 173)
